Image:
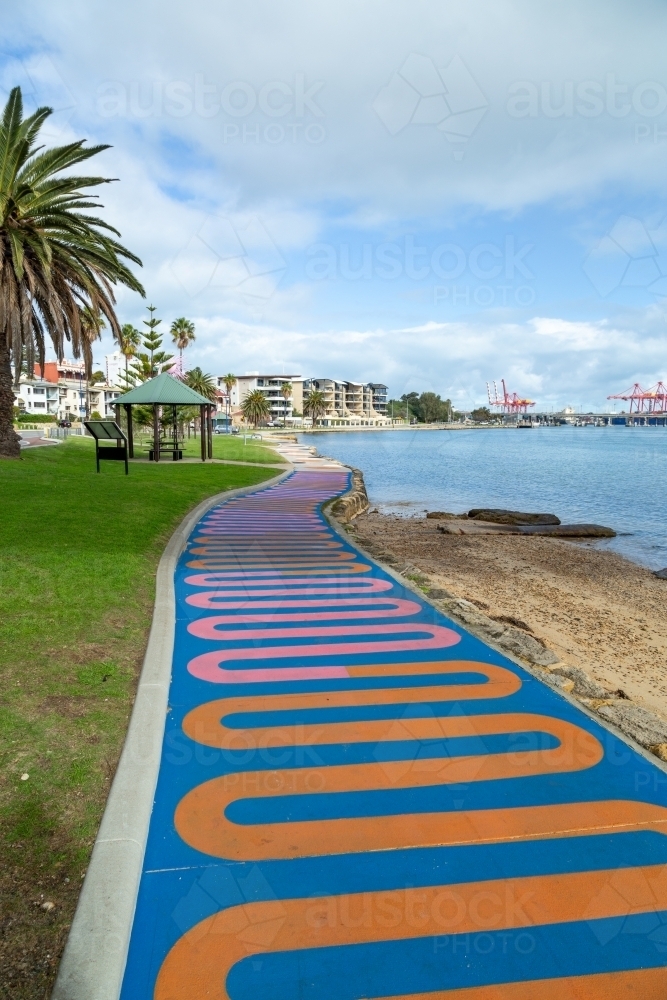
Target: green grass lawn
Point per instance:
(77, 567)
(225, 446)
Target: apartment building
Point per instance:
(350, 403)
(281, 409)
(62, 388)
(114, 368)
(37, 397)
(347, 403)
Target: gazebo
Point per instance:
(165, 390)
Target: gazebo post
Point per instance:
(130, 435)
(156, 434)
(202, 429)
(210, 431)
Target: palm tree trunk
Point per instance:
(9, 439)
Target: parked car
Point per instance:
(235, 430)
(64, 423)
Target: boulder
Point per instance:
(661, 574)
(584, 686)
(499, 516)
(353, 503)
(569, 530)
(644, 727)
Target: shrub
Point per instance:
(36, 418)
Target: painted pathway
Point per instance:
(359, 799)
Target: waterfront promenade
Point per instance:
(356, 798)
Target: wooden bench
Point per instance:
(176, 453)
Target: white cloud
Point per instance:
(187, 168)
(554, 361)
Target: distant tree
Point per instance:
(315, 404)
(255, 407)
(427, 408)
(481, 414)
(95, 415)
(129, 341)
(285, 392)
(229, 381)
(201, 383)
(92, 324)
(97, 377)
(431, 408)
(151, 361)
(182, 333)
(410, 405)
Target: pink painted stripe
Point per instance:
(207, 628)
(207, 666)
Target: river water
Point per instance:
(616, 476)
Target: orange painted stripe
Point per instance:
(212, 564)
(204, 725)
(200, 821)
(501, 684)
(636, 984)
(197, 966)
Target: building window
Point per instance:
(38, 405)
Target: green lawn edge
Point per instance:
(77, 579)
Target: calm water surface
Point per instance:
(615, 476)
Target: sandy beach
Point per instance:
(593, 609)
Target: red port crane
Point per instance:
(653, 400)
(508, 402)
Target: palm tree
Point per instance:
(202, 383)
(92, 324)
(54, 259)
(229, 381)
(182, 333)
(315, 404)
(285, 392)
(255, 407)
(129, 341)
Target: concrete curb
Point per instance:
(93, 962)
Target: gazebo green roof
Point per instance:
(164, 389)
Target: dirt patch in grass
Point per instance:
(77, 570)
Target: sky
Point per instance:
(430, 195)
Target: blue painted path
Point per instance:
(357, 798)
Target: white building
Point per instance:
(37, 397)
(281, 408)
(114, 368)
(347, 403)
(360, 404)
(61, 391)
